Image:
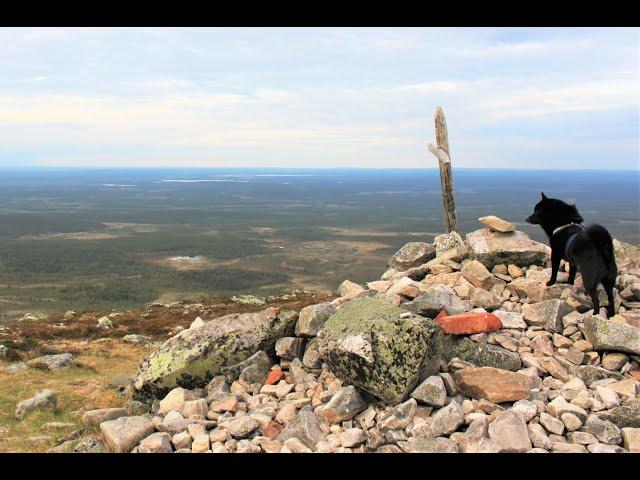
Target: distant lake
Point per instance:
(403, 198)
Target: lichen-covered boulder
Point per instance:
(493, 248)
(193, 357)
(612, 336)
(626, 416)
(480, 354)
(368, 344)
(590, 373)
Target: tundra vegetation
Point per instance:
(72, 239)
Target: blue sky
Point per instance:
(319, 97)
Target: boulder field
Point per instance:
(458, 347)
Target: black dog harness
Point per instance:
(572, 237)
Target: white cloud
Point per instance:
(584, 97)
(360, 97)
(39, 78)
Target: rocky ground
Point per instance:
(459, 347)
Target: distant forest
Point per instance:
(67, 240)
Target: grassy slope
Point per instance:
(100, 355)
(80, 386)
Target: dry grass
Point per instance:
(82, 386)
(75, 236)
(113, 230)
(156, 322)
(99, 355)
(375, 233)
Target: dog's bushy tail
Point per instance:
(602, 239)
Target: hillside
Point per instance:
(459, 346)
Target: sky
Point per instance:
(555, 98)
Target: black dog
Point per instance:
(589, 249)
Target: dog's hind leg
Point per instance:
(607, 283)
(593, 293)
(591, 277)
(573, 269)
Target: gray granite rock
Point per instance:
(305, 427)
(123, 434)
(509, 430)
(431, 392)
(613, 336)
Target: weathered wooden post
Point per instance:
(441, 152)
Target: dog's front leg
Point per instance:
(572, 273)
(555, 264)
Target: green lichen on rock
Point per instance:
(590, 373)
(626, 416)
(481, 354)
(367, 344)
(606, 335)
(193, 357)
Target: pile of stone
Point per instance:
(459, 347)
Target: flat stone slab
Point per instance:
(492, 248)
(123, 434)
(497, 224)
(492, 384)
(480, 354)
(469, 323)
(612, 336)
(428, 445)
(96, 417)
(412, 254)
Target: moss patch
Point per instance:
(481, 355)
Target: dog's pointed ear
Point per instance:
(576, 217)
(544, 197)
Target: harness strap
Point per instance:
(572, 237)
(569, 243)
(572, 224)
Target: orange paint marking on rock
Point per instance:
(274, 377)
(469, 323)
(443, 313)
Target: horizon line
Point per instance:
(174, 167)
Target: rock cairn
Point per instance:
(459, 347)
